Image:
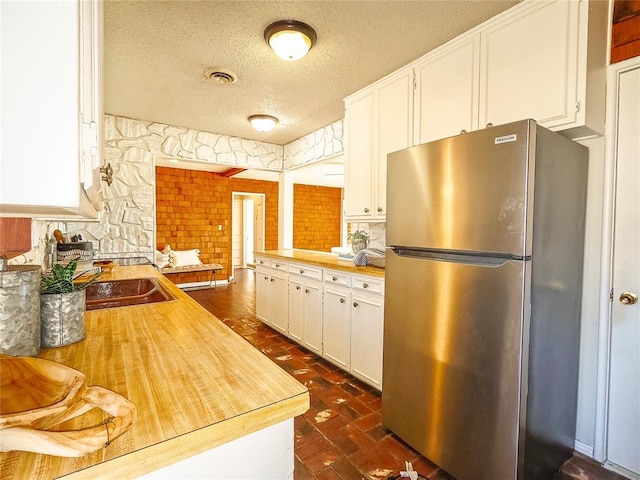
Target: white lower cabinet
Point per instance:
(305, 306)
(336, 313)
(313, 316)
(271, 295)
(367, 326)
(305, 312)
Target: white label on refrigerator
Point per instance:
(506, 139)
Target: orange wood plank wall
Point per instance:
(625, 41)
(316, 217)
(191, 204)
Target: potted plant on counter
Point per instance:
(62, 305)
(359, 240)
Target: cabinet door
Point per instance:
(358, 171)
(529, 66)
(336, 328)
(262, 295)
(91, 111)
(43, 131)
(447, 85)
(313, 316)
(296, 310)
(367, 323)
(394, 131)
(278, 303)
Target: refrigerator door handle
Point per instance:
(471, 258)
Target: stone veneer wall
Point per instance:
(126, 227)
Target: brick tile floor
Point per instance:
(341, 436)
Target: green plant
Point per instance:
(60, 280)
(359, 235)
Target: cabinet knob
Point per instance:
(297, 287)
(355, 304)
(277, 265)
(266, 278)
(306, 290)
(342, 300)
(366, 210)
(301, 271)
(334, 278)
(272, 280)
(489, 124)
(463, 131)
(365, 285)
(379, 209)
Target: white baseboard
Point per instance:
(199, 285)
(583, 448)
(621, 470)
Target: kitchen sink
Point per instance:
(123, 293)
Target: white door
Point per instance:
(258, 226)
(247, 231)
(624, 389)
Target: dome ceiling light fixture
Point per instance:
(290, 39)
(263, 123)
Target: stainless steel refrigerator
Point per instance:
(482, 300)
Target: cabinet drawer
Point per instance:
(367, 284)
(262, 262)
(279, 265)
(337, 278)
(306, 271)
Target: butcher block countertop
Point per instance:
(195, 383)
(322, 259)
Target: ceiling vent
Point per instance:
(221, 75)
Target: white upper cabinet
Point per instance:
(446, 99)
(534, 65)
(51, 106)
(378, 122)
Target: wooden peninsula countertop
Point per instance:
(322, 259)
(195, 383)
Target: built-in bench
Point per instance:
(203, 267)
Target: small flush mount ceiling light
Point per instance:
(290, 39)
(263, 123)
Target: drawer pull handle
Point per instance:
(277, 265)
(334, 278)
(365, 285)
(306, 290)
(297, 287)
(272, 280)
(266, 278)
(379, 209)
(301, 272)
(355, 304)
(342, 300)
(366, 210)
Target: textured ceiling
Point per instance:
(156, 52)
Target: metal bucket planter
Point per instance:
(62, 318)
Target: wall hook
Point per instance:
(107, 172)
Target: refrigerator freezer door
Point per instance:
(466, 193)
(452, 357)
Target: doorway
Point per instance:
(247, 227)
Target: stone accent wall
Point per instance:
(126, 227)
(324, 143)
(316, 217)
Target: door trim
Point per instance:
(604, 329)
